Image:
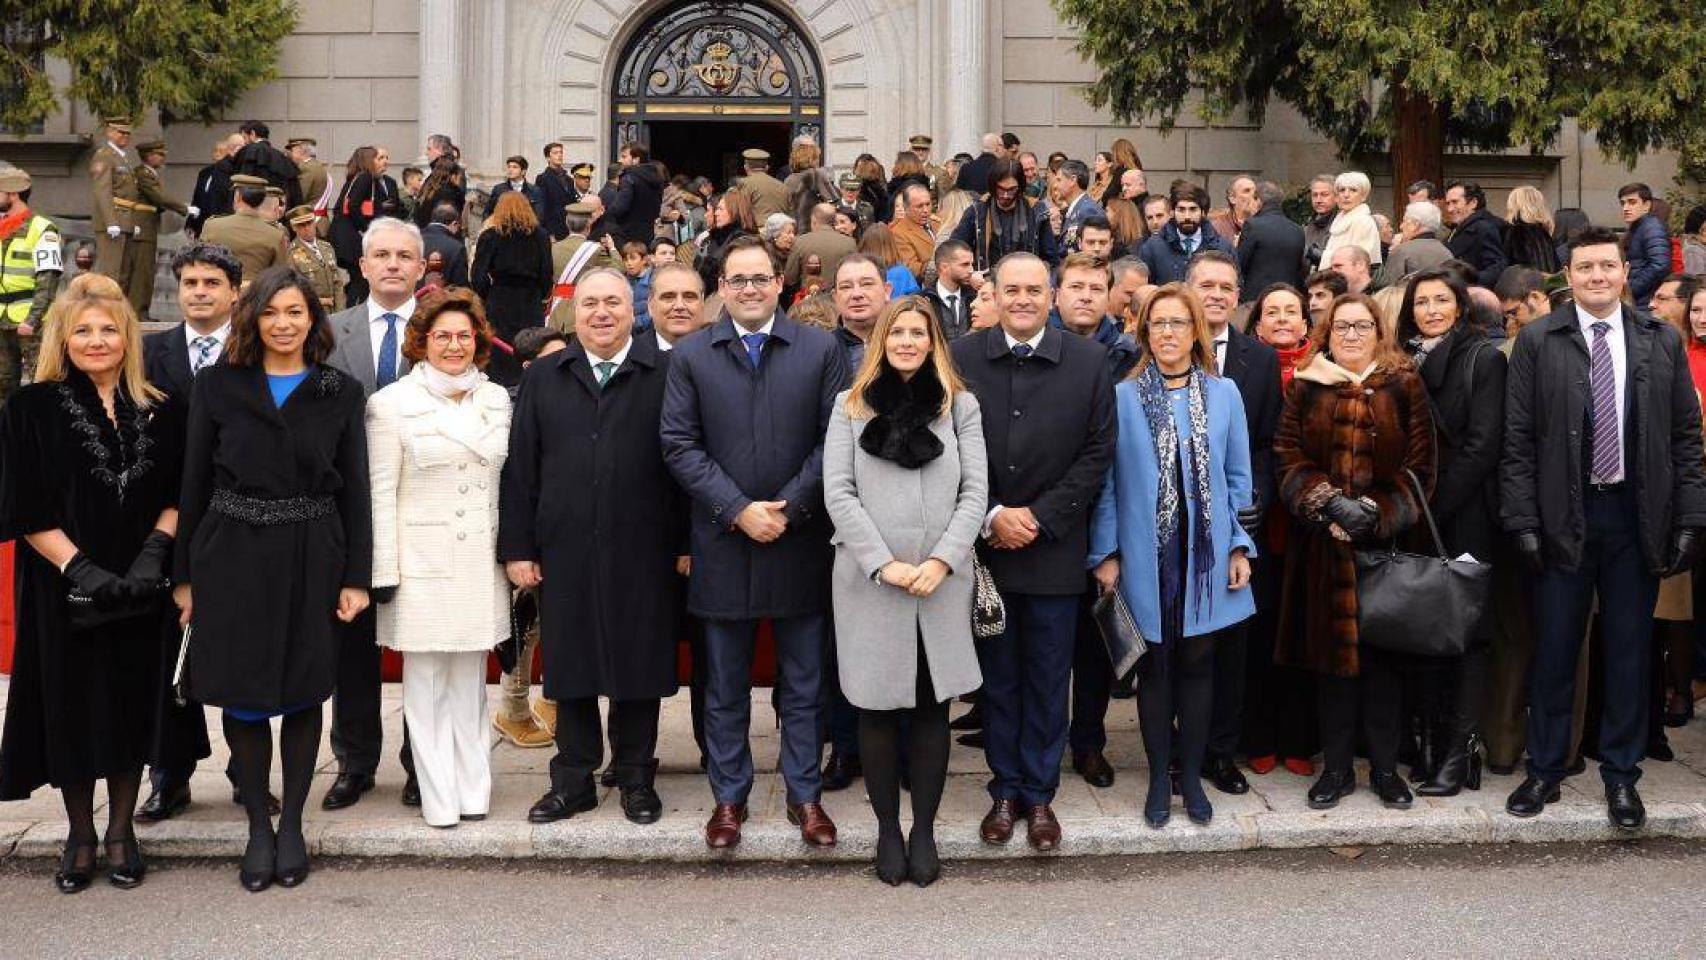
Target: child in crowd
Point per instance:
(637, 264)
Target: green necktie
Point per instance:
(604, 369)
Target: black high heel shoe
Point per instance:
(126, 874)
(256, 872)
(1460, 768)
(923, 864)
(292, 858)
(891, 857)
(70, 878)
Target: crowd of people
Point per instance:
(923, 422)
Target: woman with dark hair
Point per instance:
(512, 273)
(1567, 224)
(1104, 179)
(1354, 428)
(444, 184)
(276, 532)
(89, 463)
(846, 222)
(872, 180)
(359, 203)
(436, 444)
(730, 216)
(1464, 373)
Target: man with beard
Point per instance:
(1169, 253)
(955, 286)
(1003, 222)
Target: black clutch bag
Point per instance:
(1121, 637)
(83, 613)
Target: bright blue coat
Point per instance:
(1124, 520)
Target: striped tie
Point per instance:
(1607, 456)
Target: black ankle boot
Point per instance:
(1461, 767)
(1431, 747)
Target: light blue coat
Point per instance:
(1124, 520)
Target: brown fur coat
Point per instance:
(1356, 439)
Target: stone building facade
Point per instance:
(700, 78)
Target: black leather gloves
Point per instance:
(1359, 519)
(1685, 549)
(382, 595)
(1250, 518)
(102, 586)
(147, 572)
(1528, 547)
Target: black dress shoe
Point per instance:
(164, 803)
(641, 804)
(126, 873)
(273, 806)
(1393, 792)
(1332, 786)
(291, 857)
(74, 876)
(1225, 775)
(970, 720)
(607, 779)
(555, 806)
(1623, 805)
(346, 790)
(411, 792)
(840, 772)
(1094, 768)
(973, 739)
(1658, 748)
(1531, 797)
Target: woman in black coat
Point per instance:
(512, 273)
(359, 203)
(445, 183)
(88, 477)
(278, 534)
(1464, 374)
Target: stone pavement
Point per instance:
(1094, 822)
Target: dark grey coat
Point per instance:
(732, 435)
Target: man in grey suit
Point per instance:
(369, 347)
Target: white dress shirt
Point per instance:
(376, 328)
(1620, 371)
(952, 299)
(621, 355)
(190, 337)
(1220, 351)
(664, 346)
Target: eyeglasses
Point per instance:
(743, 283)
(1360, 328)
(443, 338)
(1168, 324)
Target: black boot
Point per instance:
(1461, 767)
(1431, 746)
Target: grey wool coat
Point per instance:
(882, 512)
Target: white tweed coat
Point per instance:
(435, 477)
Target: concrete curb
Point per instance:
(681, 840)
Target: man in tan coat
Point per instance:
(767, 193)
(912, 231)
(112, 175)
(139, 280)
(255, 241)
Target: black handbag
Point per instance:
(1121, 636)
(1418, 604)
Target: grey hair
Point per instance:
(1268, 192)
(1355, 179)
(392, 223)
(627, 286)
(992, 142)
(774, 224)
(1424, 214)
(1125, 265)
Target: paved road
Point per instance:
(1390, 902)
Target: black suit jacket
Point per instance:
(1049, 425)
(166, 361)
(1254, 367)
(957, 324)
(452, 249)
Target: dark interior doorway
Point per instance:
(711, 148)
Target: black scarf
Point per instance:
(900, 431)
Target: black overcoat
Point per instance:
(1465, 378)
(82, 704)
(732, 435)
(265, 596)
(586, 494)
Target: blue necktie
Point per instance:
(1190, 245)
(204, 347)
(1021, 350)
(754, 347)
(387, 373)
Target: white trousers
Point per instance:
(444, 704)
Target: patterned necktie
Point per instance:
(954, 309)
(1606, 440)
(1190, 245)
(387, 371)
(204, 347)
(604, 368)
(1021, 350)
(754, 347)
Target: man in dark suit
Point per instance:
(556, 191)
(760, 537)
(443, 236)
(952, 293)
(1254, 367)
(209, 279)
(1603, 489)
(1049, 424)
(369, 340)
(974, 176)
(1270, 247)
(1477, 236)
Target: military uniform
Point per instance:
(139, 281)
(936, 174)
(767, 193)
(562, 253)
(862, 210)
(316, 261)
(312, 180)
(112, 175)
(255, 242)
(30, 266)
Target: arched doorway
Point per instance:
(702, 80)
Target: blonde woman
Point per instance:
(89, 466)
(906, 483)
(1528, 240)
(950, 211)
(1353, 225)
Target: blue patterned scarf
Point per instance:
(1158, 409)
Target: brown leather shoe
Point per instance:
(1042, 829)
(723, 829)
(997, 826)
(815, 826)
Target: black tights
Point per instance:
(1176, 683)
(927, 757)
(79, 799)
(298, 748)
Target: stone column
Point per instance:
(963, 83)
(443, 73)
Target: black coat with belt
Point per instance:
(732, 435)
(1049, 425)
(1465, 379)
(1548, 436)
(265, 595)
(1254, 367)
(586, 494)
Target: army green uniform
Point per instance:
(319, 264)
(767, 194)
(255, 242)
(563, 317)
(112, 173)
(139, 281)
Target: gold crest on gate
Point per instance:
(718, 70)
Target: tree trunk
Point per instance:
(1418, 146)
